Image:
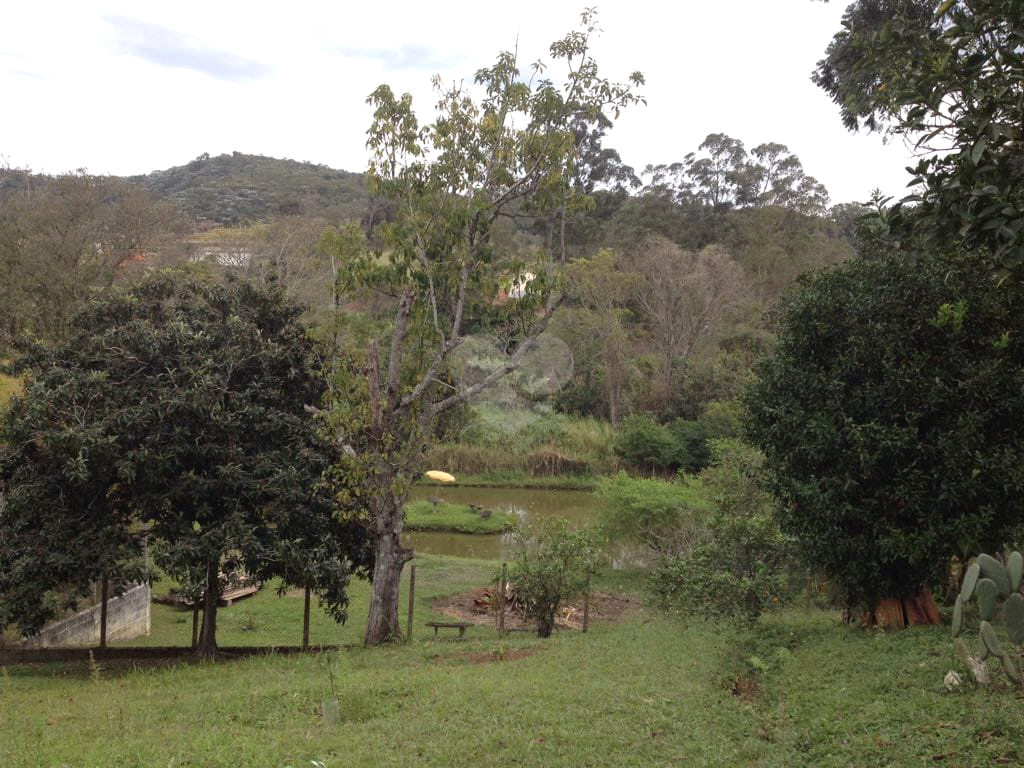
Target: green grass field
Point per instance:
(800, 690)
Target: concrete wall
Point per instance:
(127, 617)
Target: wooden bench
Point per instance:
(459, 625)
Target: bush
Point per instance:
(739, 571)
(552, 565)
(669, 517)
(890, 416)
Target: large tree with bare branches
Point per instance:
(504, 147)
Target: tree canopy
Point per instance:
(889, 417)
(949, 77)
(176, 409)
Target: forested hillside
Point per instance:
(671, 269)
(241, 189)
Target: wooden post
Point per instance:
(502, 578)
(586, 604)
(104, 591)
(412, 600)
(195, 626)
(305, 619)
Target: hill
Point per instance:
(239, 189)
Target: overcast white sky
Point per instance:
(129, 87)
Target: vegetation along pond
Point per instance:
(580, 508)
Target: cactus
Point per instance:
(993, 569)
(1014, 613)
(991, 640)
(958, 617)
(996, 590)
(970, 581)
(1015, 567)
(987, 593)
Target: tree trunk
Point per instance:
(382, 626)
(207, 647)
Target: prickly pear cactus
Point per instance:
(996, 590)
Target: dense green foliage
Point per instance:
(950, 77)
(175, 409)
(241, 189)
(889, 416)
(742, 565)
(668, 517)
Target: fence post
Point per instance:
(305, 618)
(104, 592)
(586, 604)
(502, 578)
(412, 600)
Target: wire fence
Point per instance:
(149, 620)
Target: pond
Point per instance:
(580, 508)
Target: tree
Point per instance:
(513, 151)
(177, 408)
(889, 417)
(725, 176)
(598, 318)
(552, 565)
(66, 237)
(948, 76)
(681, 298)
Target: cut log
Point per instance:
(889, 614)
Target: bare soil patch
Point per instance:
(476, 606)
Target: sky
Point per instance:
(128, 88)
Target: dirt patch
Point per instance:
(477, 606)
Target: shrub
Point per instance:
(644, 444)
(669, 517)
(552, 565)
(740, 569)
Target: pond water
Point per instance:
(580, 508)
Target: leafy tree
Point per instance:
(889, 417)
(552, 565)
(511, 152)
(722, 175)
(948, 76)
(63, 238)
(177, 407)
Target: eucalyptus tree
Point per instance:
(507, 146)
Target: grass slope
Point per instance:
(645, 691)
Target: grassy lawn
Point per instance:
(801, 690)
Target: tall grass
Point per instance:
(533, 442)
